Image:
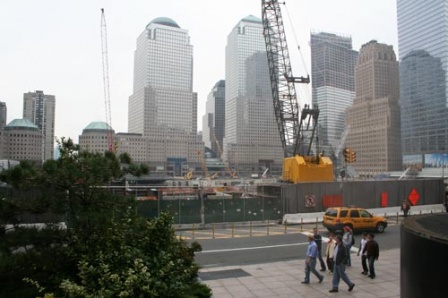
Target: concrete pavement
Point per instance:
(283, 279)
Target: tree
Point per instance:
(104, 248)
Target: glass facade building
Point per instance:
(40, 108)
(423, 51)
(163, 106)
(213, 120)
(251, 141)
(333, 84)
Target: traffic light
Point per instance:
(353, 156)
(347, 154)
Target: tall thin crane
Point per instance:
(105, 58)
(296, 133)
(286, 105)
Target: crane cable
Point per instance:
(307, 91)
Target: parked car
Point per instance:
(358, 219)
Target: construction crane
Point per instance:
(296, 133)
(105, 58)
(232, 174)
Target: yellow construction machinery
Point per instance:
(297, 132)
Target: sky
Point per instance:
(55, 46)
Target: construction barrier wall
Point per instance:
(311, 197)
(187, 210)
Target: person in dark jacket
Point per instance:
(318, 240)
(340, 260)
(372, 252)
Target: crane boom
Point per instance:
(105, 60)
(296, 133)
(284, 94)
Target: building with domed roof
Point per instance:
(20, 140)
(94, 138)
(163, 106)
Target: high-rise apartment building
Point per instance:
(213, 120)
(163, 106)
(252, 141)
(422, 44)
(375, 115)
(333, 84)
(39, 108)
(3, 114)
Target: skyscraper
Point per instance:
(213, 120)
(375, 115)
(333, 84)
(3, 114)
(252, 141)
(39, 108)
(422, 44)
(163, 106)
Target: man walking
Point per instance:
(347, 240)
(405, 208)
(364, 240)
(372, 251)
(340, 258)
(310, 263)
(318, 240)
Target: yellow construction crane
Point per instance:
(297, 132)
(232, 174)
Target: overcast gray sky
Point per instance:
(55, 46)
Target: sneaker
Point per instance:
(364, 273)
(351, 287)
(321, 279)
(333, 291)
(305, 282)
(372, 276)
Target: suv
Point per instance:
(336, 218)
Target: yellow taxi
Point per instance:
(358, 219)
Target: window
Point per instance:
(354, 213)
(343, 213)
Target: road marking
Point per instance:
(251, 248)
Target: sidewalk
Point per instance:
(282, 279)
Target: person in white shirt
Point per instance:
(364, 240)
(330, 252)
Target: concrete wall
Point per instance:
(364, 194)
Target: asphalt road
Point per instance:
(273, 248)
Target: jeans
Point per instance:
(338, 273)
(349, 258)
(372, 266)
(311, 267)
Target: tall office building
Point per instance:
(422, 44)
(39, 108)
(375, 115)
(213, 120)
(252, 141)
(3, 114)
(163, 106)
(333, 84)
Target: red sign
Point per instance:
(413, 197)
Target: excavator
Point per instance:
(297, 127)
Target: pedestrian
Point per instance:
(310, 263)
(405, 208)
(318, 240)
(446, 203)
(362, 244)
(340, 260)
(372, 251)
(330, 252)
(347, 239)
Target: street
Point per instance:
(275, 247)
